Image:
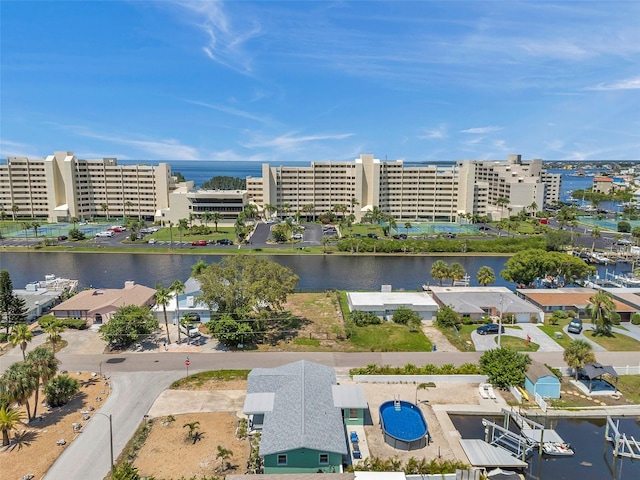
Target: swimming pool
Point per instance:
(403, 425)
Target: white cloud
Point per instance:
(9, 148)
(225, 43)
(482, 130)
(230, 155)
(290, 142)
(232, 111)
(629, 84)
(434, 134)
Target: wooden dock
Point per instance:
(623, 446)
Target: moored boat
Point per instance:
(557, 449)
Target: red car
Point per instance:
(199, 243)
(114, 229)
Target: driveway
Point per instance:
(488, 342)
(175, 402)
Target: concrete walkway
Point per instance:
(175, 402)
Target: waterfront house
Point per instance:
(571, 299)
(479, 302)
(299, 408)
(97, 305)
(539, 379)
(384, 304)
(185, 304)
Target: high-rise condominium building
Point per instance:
(61, 187)
(425, 192)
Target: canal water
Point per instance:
(593, 459)
(316, 272)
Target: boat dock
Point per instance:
(623, 446)
(536, 434)
(482, 454)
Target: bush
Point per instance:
(60, 389)
(362, 319)
(406, 316)
(635, 318)
(446, 317)
(4, 337)
(624, 226)
(556, 316)
(467, 320)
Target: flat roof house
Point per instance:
(96, 306)
(384, 304)
(301, 417)
(477, 302)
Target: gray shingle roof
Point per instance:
(303, 415)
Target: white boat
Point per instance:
(557, 449)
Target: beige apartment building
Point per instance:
(427, 193)
(61, 186)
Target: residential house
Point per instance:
(384, 304)
(96, 306)
(186, 303)
(299, 410)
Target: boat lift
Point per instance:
(498, 436)
(623, 446)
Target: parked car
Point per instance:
(484, 228)
(199, 243)
(400, 236)
(152, 241)
(62, 238)
(190, 330)
(575, 326)
(297, 236)
(224, 241)
(489, 328)
(108, 233)
(372, 235)
(114, 229)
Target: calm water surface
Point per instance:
(593, 459)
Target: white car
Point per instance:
(190, 330)
(297, 236)
(105, 234)
(153, 240)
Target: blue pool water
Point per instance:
(406, 424)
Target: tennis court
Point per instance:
(435, 228)
(608, 223)
(54, 230)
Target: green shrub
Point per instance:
(362, 319)
(624, 226)
(60, 389)
(635, 318)
(406, 316)
(4, 337)
(466, 320)
(75, 323)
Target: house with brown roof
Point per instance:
(571, 299)
(603, 185)
(96, 306)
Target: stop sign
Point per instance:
(187, 363)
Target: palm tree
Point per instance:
(602, 311)
(577, 354)
(407, 226)
(193, 427)
(439, 271)
(456, 272)
(224, 455)
(163, 297)
(325, 242)
(595, 234)
(15, 209)
(43, 365)
(35, 226)
(177, 287)
(18, 384)
(170, 235)
(486, 276)
(21, 335)
(309, 208)
(105, 208)
(250, 210)
(206, 217)
(502, 202)
(127, 204)
(183, 224)
(268, 209)
(354, 203)
(9, 420)
(216, 218)
(192, 217)
(54, 328)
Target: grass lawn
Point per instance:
(551, 330)
(518, 344)
(571, 397)
(629, 385)
(389, 337)
(199, 379)
(165, 234)
(462, 338)
(616, 342)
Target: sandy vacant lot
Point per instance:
(36, 449)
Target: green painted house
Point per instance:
(294, 406)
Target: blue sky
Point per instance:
(303, 81)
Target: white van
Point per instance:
(190, 330)
(105, 234)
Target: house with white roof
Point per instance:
(384, 304)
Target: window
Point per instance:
(323, 459)
(282, 459)
(353, 414)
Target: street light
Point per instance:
(110, 436)
(502, 306)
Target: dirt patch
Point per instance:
(169, 453)
(215, 384)
(36, 449)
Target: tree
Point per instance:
(163, 297)
(183, 224)
(206, 217)
(405, 316)
(533, 207)
(456, 272)
(59, 390)
(223, 182)
(105, 208)
(486, 276)
(54, 328)
(229, 332)
(446, 317)
(193, 428)
(502, 202)
(524, 267)
(9, 420)
(595, 234)
(44, 365)
(624, 226)
(325, 241)
(21, 335)
(577, 354)
(18, 384)
(439, 271)
(268, 209)
(126, 471)
(224, 455)
(177, 287)
(602, 311)
(216, 218)
(127, 325)
(240, 284)
(504, 367)
(15, 209)
(557, 239)
(6, 298)
(127, 204)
